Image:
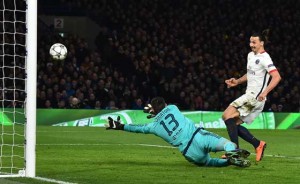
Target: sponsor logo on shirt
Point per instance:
(257, 61)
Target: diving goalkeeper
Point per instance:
(194, 143)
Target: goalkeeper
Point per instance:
(194, 143)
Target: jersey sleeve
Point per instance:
(268, 64)
(145, 128)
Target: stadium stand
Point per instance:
(182, 50)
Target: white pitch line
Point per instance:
(152, 145)
(104, 144)
(42, 131)
(52, 180)
(280, 156)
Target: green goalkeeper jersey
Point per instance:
(170, 124)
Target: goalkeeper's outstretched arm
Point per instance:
(117, 125)
(145, 128)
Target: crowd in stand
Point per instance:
(180, 49)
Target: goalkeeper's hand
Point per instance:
(115, 125)
(149, 110)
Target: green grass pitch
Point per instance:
(95, 155)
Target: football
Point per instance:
(58, 51)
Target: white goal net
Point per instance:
(14, 78)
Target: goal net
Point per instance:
(17, 117)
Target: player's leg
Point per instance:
(233, 156)
(201, 158)
(198, 152)
(241, 107)
(217, 162)
(229, 116)
(245, 134)
(222, 144)
(259, 145)
(205, 142)
(214, 143)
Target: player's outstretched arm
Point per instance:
(114, 124)
(234, 82)
(137, 128)
(231, 82)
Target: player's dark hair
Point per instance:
(263, 36)
(158, 103)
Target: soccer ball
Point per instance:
(58, 51)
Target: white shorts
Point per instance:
(248, 106)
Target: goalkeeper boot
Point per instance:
(239, 162)
(238, 153)
(260, 150)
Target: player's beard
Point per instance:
(254, 49)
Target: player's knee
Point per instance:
(226, 116)
(232, 114)
(238, 121)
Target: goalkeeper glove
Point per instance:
(149, 110)
(115, 125)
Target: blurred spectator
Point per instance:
(273, 108)
(138, 104)
(61, 104)
(48, 104)
(74, 103)
(111, 105)
(98, 105)
(123, 105)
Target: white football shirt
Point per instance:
(259, 67)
